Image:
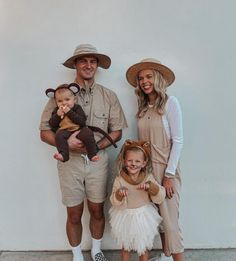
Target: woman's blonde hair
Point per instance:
(160, 86)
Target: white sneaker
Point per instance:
(161, 257)
(155, 258)
(165, 258)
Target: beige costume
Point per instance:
(151, 128)
(79, 178)
(134, 219)
(137, 198)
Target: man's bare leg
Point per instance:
(74, 225)
(96, 225)
(74, 230)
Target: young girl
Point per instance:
(133, 217)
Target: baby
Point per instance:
(67, 118)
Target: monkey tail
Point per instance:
(97, 129)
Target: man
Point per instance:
(80, 178)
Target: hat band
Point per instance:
(85, 51)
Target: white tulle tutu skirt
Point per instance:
(135, 229)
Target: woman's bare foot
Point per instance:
(58, 156)
(95, 158)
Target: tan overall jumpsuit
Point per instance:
(151, 128)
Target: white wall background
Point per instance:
(195, 38)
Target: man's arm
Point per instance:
(104, 143)
(48, 137)
(78, 146)
(75, 144)
(46, 134)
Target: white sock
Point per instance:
(96, 246)
(77, 253)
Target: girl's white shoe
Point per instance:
(161, 257)
(165, 258)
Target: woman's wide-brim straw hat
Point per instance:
(84, 50)
(149, 63)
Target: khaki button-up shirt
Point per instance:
(101, 107)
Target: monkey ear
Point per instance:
(50, 93)
(74, 87)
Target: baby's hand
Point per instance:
(144, 186)
(60, 112)
(122, 192)
(66, 109)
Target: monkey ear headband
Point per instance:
(73, 87)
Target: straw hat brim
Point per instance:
(132, 72)
(104, 61)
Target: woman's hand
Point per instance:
(168, 185)
(75, 144)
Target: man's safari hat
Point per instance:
(149, 63)
(83, 50)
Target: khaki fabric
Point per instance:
(79, 178)
(151, 128)
(101, 107)
(136, 198)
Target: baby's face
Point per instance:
(65, 97)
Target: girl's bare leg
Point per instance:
(144, 257)
(125, 255)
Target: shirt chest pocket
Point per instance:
(100, 119)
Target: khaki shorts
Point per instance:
(80, 178)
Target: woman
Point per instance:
(160, 122)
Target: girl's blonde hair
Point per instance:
(130, 145)
(160, 86)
